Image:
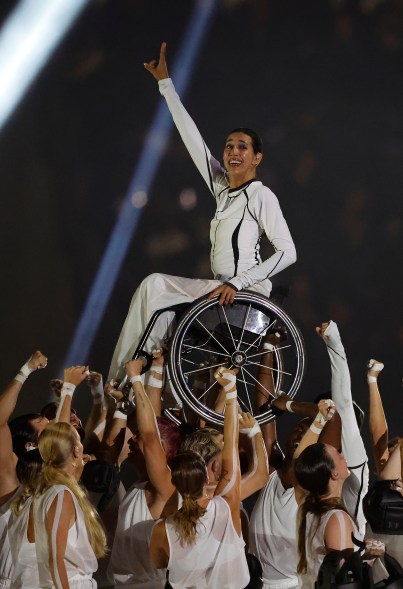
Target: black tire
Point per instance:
(233, 336)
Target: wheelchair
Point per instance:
(207, 336)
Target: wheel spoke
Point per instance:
(192, 362)
(207, 390)
(270, 351)
(255, 379)
(247, 392)
(228, 325)
(214, 338)
(253, 344)
(204, 368)
(206, 350)
(243, 327)
(264, 328)
(271, 368)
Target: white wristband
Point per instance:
(268, 346)
(232, 395)
(157, 369)
(320, 419)
(372, 379)
(20, 378)
(119, 414)
(316, 430)
(68, 389)
(26, 370)
(288, 407)
(155, 382)
(136, 378)
(23, 373)
(229, 386)
(251, 431)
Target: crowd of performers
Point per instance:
(207, 508)
(202, 501)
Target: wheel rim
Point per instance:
(209, 336)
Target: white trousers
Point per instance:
(156, 292)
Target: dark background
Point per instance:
(322, 81)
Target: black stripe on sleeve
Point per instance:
(272, 270)
(208, 169)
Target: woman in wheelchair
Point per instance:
(246, 209)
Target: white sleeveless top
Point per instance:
(79, 557)
(130, 564)
(315, 545)
(273, 532)
(6, 565)
(25, 568)
(217, 558)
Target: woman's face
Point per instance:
(78, 456)
(39, 423)
(240, 160)
(340, 464)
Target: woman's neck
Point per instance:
(237, 182)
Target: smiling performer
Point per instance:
(246, 209)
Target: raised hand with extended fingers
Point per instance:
(158, 68)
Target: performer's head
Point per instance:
(243, 152)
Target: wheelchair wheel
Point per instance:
(209, 335)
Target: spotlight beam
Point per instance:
(27, 39)
(143, 177)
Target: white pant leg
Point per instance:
(156, 292)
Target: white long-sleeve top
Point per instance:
(356, 486)
(242, 216)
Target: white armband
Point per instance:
(119, 415)
(316, 430)
(230, 396)
(155, 382)
(23, 373)
(136, 378)
(288, 407)
(68, 389)
(251, 431)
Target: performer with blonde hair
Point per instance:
(69, 537)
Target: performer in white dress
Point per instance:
(9, 483)
(68, 535)
(323, 523)
(246, 209)
(202, 544)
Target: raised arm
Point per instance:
(73, 376)
(154, 455)
(156, 381)
(392, 470)
(95, 423)
(326, 410)
(229, 484)
(211, 170)
(257, 474)
(8, 400)
(378, 427)
(352, 443)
